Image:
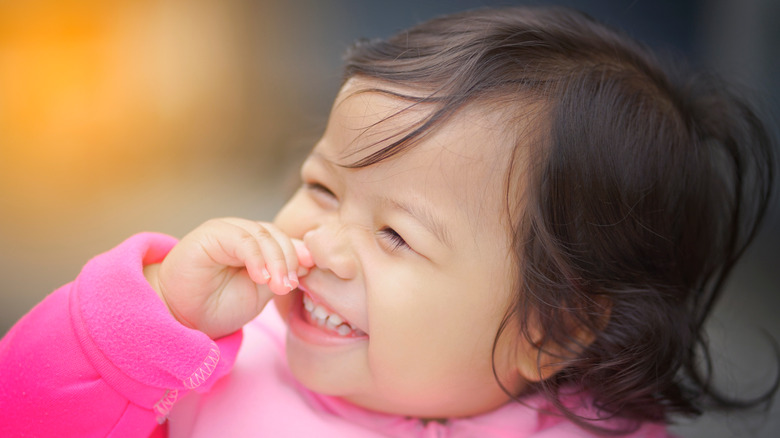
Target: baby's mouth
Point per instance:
(319, 315)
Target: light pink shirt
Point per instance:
(102, 357)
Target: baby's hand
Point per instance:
(222, 274)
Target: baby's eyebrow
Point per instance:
(426, 217)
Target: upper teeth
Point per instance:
(326, 319)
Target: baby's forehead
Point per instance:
(459, 167)
(368, 116)
(372, 115)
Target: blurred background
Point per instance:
(126, 116)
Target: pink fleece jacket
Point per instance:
(102, 356)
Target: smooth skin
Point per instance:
(413, 251)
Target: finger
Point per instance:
(227, 243)
(276, 251)
(305, 258)
(290, 253)
(273, 255)
(242, 249)
(254, 258)
(289, 250)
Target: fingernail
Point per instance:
(293, 280)
(287, 284)
(266, 275)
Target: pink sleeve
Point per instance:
(102, 356)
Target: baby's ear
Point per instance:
(541, 359)
(539, 356)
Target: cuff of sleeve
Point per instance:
(129, 336)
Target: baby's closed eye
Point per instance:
(394, 240)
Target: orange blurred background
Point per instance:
(104, 96)
(134, 115)
(124, 116)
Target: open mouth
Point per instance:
(319, 315)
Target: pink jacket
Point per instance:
(102, 356)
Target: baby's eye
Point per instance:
(393, 238)
(319, 188)
(322, 195)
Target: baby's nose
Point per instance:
(331, 250)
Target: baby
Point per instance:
(515, 224)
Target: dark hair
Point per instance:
(642, 190)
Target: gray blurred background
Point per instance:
(125, 116)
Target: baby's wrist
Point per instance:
(151, 273)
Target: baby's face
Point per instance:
(413, 264)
